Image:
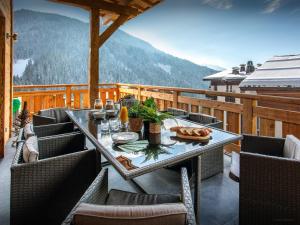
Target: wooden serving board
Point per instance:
(195, 138)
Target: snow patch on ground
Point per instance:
(20, 66)
(166, 68)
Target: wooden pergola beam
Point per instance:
(100, 4)
(94, 56)
(111, 29)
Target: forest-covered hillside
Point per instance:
(57, 51)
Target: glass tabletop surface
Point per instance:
(142, 154)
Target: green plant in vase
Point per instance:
(135, 118)
(155, 118)
(150, 103)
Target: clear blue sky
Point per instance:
(217, 32)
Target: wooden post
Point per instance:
(68, 96)
(249, 120)
(175, 99)
(118, 92)
(139, 93)
(94, 56)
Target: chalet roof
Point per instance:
(225, 75)
(110, 10)
(278, 72)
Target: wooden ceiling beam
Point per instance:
(111, 29)
(100, 4)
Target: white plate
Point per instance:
(124, 137)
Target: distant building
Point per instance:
(279, 76)
(229, 80)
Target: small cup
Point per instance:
(114, 124)
(104, 126)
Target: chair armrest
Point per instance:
(263, 145)
(53, 129)
(61, 144)
(38, 120)
(95, 194)
(187, 197)
(269, 188)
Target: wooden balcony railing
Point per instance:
(253, 114)
(62, 95)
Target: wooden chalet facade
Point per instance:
(6, 51)
(229, 80)
(279, 76)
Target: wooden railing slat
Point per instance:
(277, 114)
(290, 128)
(267, 127)
(226, 106)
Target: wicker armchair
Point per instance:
(98, 195)
(269, 183)
(43, 192)
(50, 116)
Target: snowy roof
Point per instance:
(225, 75)
(278, 72)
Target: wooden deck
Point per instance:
(248, 114)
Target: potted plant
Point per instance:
(154, 118)
(135, 119)
(150, 103)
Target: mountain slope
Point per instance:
(58, 49)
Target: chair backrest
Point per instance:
(177, 112)
(167, 214)
(58, 113)
(202, 118)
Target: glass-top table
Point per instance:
(172, 150)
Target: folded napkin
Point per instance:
(135, 146)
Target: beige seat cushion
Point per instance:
(297, 149)
(31, 150)
(235, 164)
(163, 214)
(28, 131)
(290, 146)
(117, 197)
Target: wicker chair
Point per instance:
(269, 183)
(205, 120)
(43, 192)
(50, 116)
(98, 196)
(212, 162)
(49, 130)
